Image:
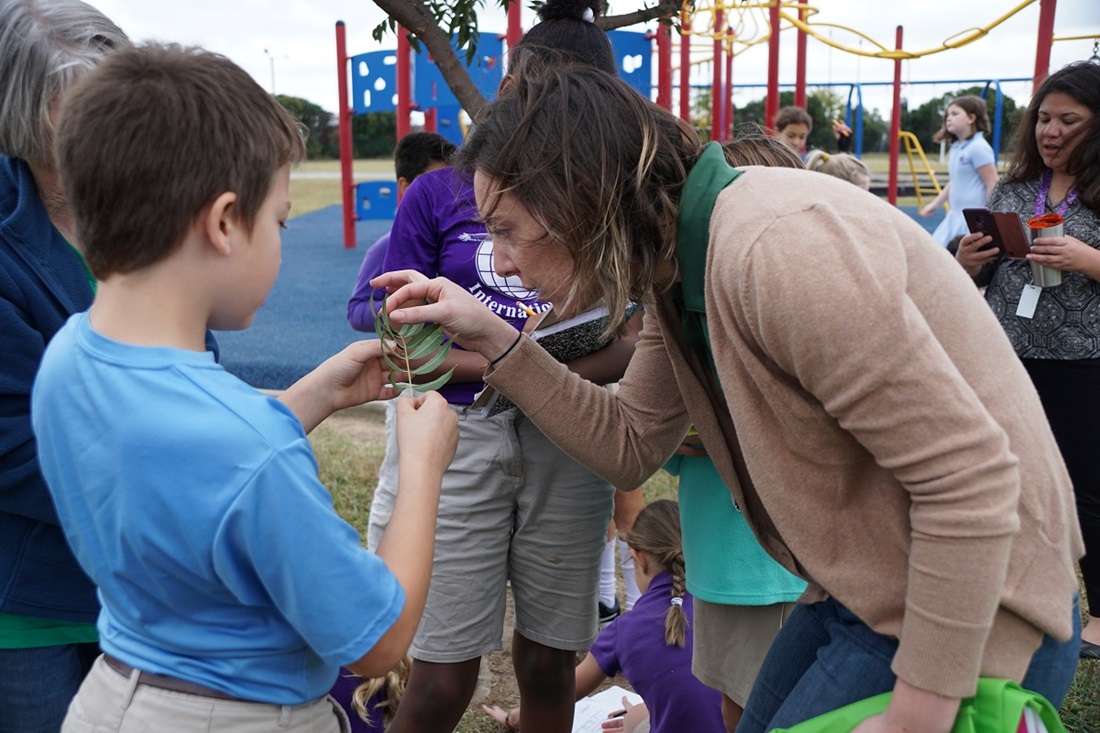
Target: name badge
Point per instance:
(1029, 298)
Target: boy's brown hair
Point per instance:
(152, 136)
(752, 146)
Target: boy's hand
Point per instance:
(357, 375)
(351, 377)
(427, 431)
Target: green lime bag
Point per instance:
(998, 707)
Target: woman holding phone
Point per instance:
(1056, 330)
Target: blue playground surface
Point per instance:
(304, 320)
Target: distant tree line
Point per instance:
(372, 136)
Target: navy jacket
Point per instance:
(42, 283)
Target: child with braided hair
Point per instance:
(651, 645)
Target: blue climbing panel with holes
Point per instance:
(486, 71)
(375, 200)
(374, 82)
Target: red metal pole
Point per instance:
(717, 118)
(515, 24)
(343, 117)
(664, 66)
(771, 107)
(895, 126)
(800, 68)
(1046, 38)
(685, 67)
(431, 120)
(727, 106)
(404, 82)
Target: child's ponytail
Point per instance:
(656, 532)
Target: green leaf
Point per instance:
(432, 363)
(409, 342)
(435, 383)
(425, 343)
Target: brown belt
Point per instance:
(165, 682)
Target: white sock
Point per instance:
(607, 575)
(626, 561)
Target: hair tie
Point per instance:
(588, 15)
(677, 601)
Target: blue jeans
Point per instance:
(825, 658)
(36, 685)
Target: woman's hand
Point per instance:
(508, 718)
(913, 710)
(1066, 253)
(351, 377)
(971, 255)
(416, 299)
(928, 210)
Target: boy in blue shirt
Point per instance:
(232, 591)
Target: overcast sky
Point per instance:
(299, 39)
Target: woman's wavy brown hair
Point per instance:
(596, 164)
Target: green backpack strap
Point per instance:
(708, 177)
(997, 707)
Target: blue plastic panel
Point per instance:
(375, 200)
(486, 70)
(374, 82)
(634, 57)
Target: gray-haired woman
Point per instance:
(48, 606)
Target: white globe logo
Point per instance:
(511, 287)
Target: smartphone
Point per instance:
(1006, 228)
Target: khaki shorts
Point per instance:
(109, 702)
(730, 643)
(514, 508)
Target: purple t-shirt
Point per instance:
(634, 644)
(436, 232)
(365, 300)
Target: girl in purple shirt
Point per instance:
(651, 643)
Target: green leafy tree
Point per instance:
(321, 124)
(926, 120)
(373, 135)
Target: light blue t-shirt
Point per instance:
(193, 503)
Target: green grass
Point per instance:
(349, 468)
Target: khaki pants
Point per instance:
(109, 702)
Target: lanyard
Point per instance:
(1044, 191)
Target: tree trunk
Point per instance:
(418, 20)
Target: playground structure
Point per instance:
(728, 28)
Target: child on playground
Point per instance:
(971, 165)
(416, 153)
(187, 496)
(794, 125)
(652, 644)
(844, 166)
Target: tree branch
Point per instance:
(418, 20)
(661, 9)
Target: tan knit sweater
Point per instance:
(899, 456)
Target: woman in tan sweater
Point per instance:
(868, 415)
